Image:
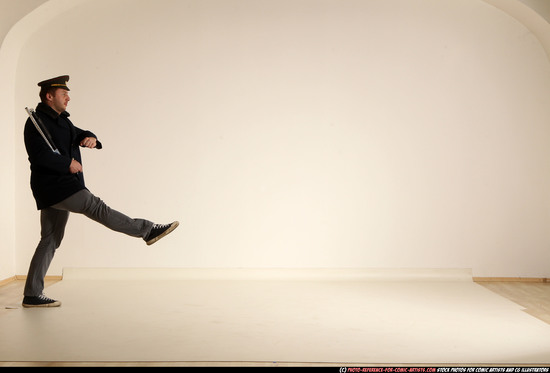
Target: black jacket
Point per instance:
(51, 180)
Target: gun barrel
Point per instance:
(39, 129)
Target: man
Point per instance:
(57, 184)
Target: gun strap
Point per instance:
(44, 129)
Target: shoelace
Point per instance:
(45, 298)
(160, 226)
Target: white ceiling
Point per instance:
(12, 11)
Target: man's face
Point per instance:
(59, 100)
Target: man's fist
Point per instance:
(75, 167)
(89, 142)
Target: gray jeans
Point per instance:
(53, 221)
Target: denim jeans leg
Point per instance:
(53, 224)
(84, 202)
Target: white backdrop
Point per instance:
(367, 133)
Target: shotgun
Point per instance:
(47, 138)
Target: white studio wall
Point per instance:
(342, 134)
(13, 33)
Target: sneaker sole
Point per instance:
(164, 234)
(54, 304)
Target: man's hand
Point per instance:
(89, 142)
(75, 167)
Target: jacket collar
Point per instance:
(46, 109)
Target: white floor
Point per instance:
(304, 317)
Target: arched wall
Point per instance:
(10, 48)
(298, 134)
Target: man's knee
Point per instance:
(50, 243)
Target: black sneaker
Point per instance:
(40, 301)
(160, 230)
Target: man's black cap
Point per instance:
(59, 82)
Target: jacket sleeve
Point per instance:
(40, 154)
(82, 134)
